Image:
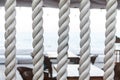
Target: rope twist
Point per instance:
(63, 39)
(84, 66)
(110, 39)
(10, 40)
(38, 57)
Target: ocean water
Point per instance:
(24, 42)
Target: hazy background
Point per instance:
(50, 16)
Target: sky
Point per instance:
(97, 17)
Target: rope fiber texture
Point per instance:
(110, 39)
(10, 40)
(38, 57)
(84, 64)
(63, 39)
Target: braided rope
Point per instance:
(84, 66)
(10, 40)
(63, 39)
(38, 57)
(110, 39)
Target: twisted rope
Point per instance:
(10, 40)
(110, 39)
(84, 66)
(38, 57)
(63, 39)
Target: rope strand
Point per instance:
(10, 40)
(110, 39)
(84, 66)
(38, 57)
(63, 39)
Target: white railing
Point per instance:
(38, 39)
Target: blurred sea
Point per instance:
(24, 42)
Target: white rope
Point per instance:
(38, 57)
(10, 40)
(63, 39)
(110, 39)
(84, 67)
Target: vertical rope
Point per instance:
(110, 39)
(10, 40)
(38, 57)
(63, 39)
(84, 67)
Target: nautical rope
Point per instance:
(84, 66)
(63, 39)
(10, 40)
(110, 39)
(38, 57)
